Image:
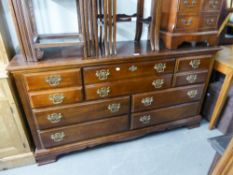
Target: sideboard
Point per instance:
(74, 103)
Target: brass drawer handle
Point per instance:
(192, 93)
(160, 67)
(133, 68)
(55, 117)
(191, 78)
(58, 137)
(113, 108)
(53, 80)
(158, 83)
(147, 101)
(103, 74)
(187, 22)
(190, 5)
(146, 119)
(104, 91)
(213, 4)
(195, 64)
(209, 21)
(57, 98)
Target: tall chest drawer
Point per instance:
(81, 112)
(107, 73)
(189, 6)
(165, 98)
(53, 79)
(55, 97)
(193, 64)
(85, 131)
(126, 87)
(212, 5)
(209, 21)
(145, 119)
(187, 23)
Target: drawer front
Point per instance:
(145, 119)
(209, 22)
(83, 112)
(75, 133)
(122, 71)
(55, 97)
(190, 6)
(155, 100)
(182, 79)
(212, 5)
(53, 79)
(193, 64)
(187, 23)
(126, 87)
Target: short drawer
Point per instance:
(182, 79)
(189, 6)
(187, 23)
(53, 79)
(212, 5)
(126, 87)
(55, 97)
(165, 98)
(193, 64)
(145, 119)
(75, 133)
(81, 112)
(130, 70)
(209, 21)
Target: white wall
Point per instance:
(59, 16)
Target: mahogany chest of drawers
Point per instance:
(189, 21)
(74, 103)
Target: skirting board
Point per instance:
(17, 161)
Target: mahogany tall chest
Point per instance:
(72, 103)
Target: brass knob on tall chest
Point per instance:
(195, 64)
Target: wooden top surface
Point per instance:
(225, 56)
(127, 51)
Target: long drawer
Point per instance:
(165, 98)
(55, 97)
(53, 79)
(100, 74)
(145, 119)
(181, 79)
(125, 87)
(193, 64)
(81, 112)
(66, 135)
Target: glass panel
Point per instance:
(56, 16)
